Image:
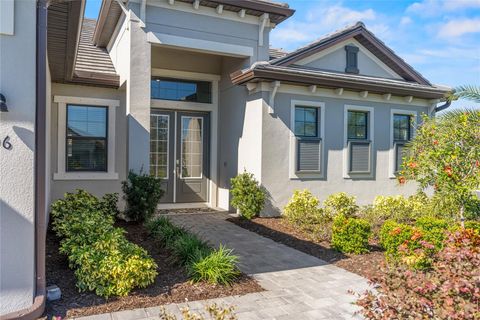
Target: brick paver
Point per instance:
(298, 286)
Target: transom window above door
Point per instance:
(306, 121)
(181, 90)
(86, 138)
(357, 125)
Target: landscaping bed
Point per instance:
(367, 265)
(171, 284)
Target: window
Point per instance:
(352, 59)
(159, 129)
(181, 90)
(86, 148)
(357, 125)
(191, 147)
(401, 127)
(306, 121)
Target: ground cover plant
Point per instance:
(217, 266)
(103, 259)
(214, 311)
(142, 193)
(247, 195)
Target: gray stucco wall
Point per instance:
(276, 155)
(17, 215)
(96, 187)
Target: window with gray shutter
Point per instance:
(399, 154)
(359, 156)
(308, 155)
(352, 59)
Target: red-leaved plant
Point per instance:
(449, 290)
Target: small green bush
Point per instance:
(103, 259)
(350, 235)
(474, 225)
(247, 195)
(340, 203)
(142, 193)
(392, 235)
(219, 266)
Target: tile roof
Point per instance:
(275, 53)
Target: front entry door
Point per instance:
(179, 148)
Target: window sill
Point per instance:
(85, 176)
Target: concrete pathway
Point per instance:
(298, 286)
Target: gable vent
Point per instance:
(352, 59)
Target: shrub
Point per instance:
(142, 194)
(302, 210)
(104, 261)
(340, 203)
(247, 195)
(449, 290)
(219, 266)
(392, 235)
(350, 235)
(215, 313)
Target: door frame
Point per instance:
(211, 108)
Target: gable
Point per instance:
(335, 59)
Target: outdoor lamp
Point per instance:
(3, 103)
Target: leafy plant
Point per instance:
(217, 267)
(449, 290)
(214, 311)
(142, 194)
(247, 195)
(350, 235)
(340, 203)
(445, 155)
(103, 259)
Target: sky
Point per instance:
(439, 38)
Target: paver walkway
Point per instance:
(298, 286)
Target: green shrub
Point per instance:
(247, 195)
(202, 263)
(350, 235)
(214, 312)
(474, 225)
(219, 266)
(142, 194)
(340, 203)
(434, 230)
(392, 235)
(104, 261)
(302, 210)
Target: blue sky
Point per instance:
(439, 38)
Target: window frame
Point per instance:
(347, 174)
(367, 125)
(61, 173)
(393, 172)
(320, 128)
(409, 128)
(87, 138)
(304, 122)
(181, 80)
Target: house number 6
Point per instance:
(6, 143)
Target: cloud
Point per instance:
(457, 28)
(430, 8)
(405, 20)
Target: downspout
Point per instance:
(443, 106)
(38, 306)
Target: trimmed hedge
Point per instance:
(103, 259)
(217, 266)
(350, 235)
(248, 196)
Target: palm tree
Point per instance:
(468, 92)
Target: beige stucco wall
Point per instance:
(97, 187)
(17, 214)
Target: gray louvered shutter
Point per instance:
(400, 153)
(308, 154)
(359, 156)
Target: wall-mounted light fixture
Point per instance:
(3, 103)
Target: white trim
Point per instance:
(181, 149)
(204, 10)
(264, 19)
(292, 172)
(61, 173)
(346, 94)
(196, 106)
(198, 45)
(343, 44)
(391, 156)
(371, 137)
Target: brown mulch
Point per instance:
(367, 265)
(171, 284)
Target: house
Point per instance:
(188, 91)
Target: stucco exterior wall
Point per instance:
(17, 214)
(276, 153)
(96, 187)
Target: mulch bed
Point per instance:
(171, 284)
(367, 265)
